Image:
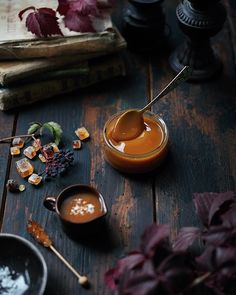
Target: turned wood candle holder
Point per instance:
(199, 20)
(144, 24)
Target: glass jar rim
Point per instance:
(163, 144)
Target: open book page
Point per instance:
(13, 29)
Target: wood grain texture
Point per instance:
(202, 124)
(231, 18)
(129, 199)
(6, 130)
(201, 119)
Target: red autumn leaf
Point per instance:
(63, 7)
(42, 21)
(134, 260)
(141, 281)
(78, 23)
(210, 206)
(186, 237)
(84, 7)
(154, 236)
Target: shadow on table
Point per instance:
(99, 237)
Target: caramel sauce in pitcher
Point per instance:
(81, 207)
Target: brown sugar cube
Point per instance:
(29, 152)
(35, 179)
(24, 167)
(82, 133)
(76, 144)
(15, 150)
(18, 141)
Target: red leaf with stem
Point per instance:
(42, 21)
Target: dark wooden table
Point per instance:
(202, 125)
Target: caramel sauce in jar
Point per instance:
(141, 154)
(81, 207)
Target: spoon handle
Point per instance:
(182, 76)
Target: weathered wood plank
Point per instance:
(129, 199)
(6, 129)
(202, 124)
(231, 18)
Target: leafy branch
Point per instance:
(165, 268)
(53, 127)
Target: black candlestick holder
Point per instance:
(199, 20)
(144, 24)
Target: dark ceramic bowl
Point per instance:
(23, 270)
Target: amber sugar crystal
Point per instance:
(42, 158)
(14, 150)
(35, 179)
(18, 142)
(76, 144)
(82, 133)
(36, 144)
(29, 152)
(24, 167)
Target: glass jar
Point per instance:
(140, 162)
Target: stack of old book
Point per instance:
(32, 69)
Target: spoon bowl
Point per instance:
(131, 123)
(135, 123)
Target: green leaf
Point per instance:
(55, 129)
(34, 127)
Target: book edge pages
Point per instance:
(12, 71)
(28, 94)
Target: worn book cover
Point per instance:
(99, 69)
(16, 70)
(16, 42)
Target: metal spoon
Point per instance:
(131, 123)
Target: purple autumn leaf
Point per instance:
(224, 275)
(220, 204)
(229, 217)
(78, 23)
(154, 236)
(219, 236)
(224, 255)
(202, 202)
(41, 21)
(207, 204)
(63, 7)
(214, 259)
(176, 272)
(186, 237)
(205, 262)
(131, 261)
(84, 7)
(142, 281)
